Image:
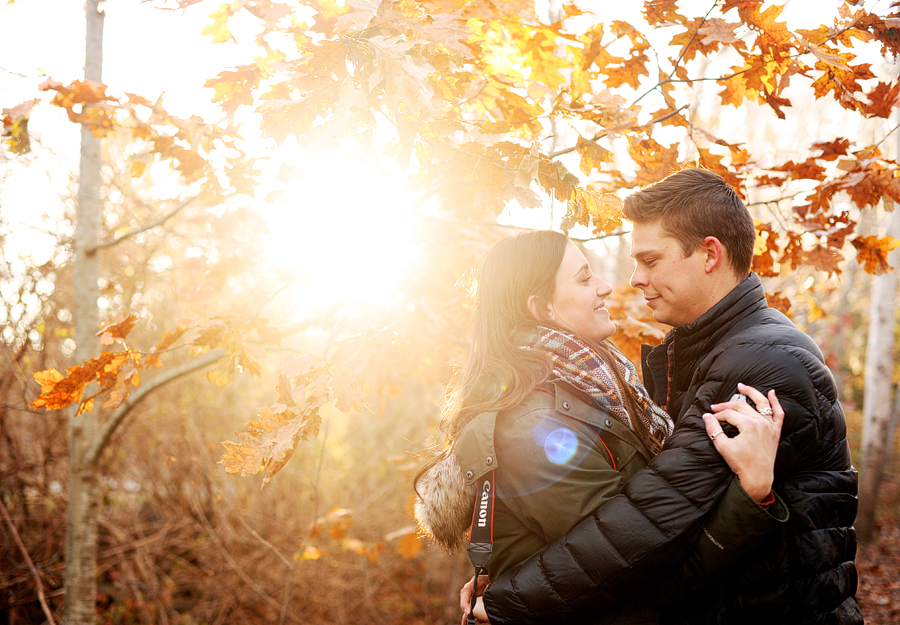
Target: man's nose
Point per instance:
(637, 278)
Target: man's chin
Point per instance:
(660, 316)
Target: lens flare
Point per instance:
(560, 445)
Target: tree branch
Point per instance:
(93, 454)
(603, 133)
(39, 586)
(144, 228)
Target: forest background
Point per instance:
(255, 222)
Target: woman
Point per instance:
(561, 418)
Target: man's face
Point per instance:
(672, 283)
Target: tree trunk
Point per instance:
(878, 387)
(84, 481)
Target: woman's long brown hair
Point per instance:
(497, 374)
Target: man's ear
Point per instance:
(715, 254)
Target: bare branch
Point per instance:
(34, 573)
(20, 409)
(122, 411)
(144, 228)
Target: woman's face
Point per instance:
(579, 298)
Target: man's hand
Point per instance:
(750, 454)
(465, 599)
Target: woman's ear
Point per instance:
(534, 309)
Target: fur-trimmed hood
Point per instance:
(444, 504)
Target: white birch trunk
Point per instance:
(878, 386)
(84, 481)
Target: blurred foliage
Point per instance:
(480, 104)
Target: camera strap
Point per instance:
(481, 538)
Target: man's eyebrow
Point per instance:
(643, 253)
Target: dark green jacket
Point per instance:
(557, 459)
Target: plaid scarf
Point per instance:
(580, 365)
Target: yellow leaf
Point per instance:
(217, 377)
(87, 406)
(219, 26)
(815, 311)
(308, 553)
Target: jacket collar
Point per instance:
(688, 343)
(475, 448)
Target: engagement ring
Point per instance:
(766, 411)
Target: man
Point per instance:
(693, 245)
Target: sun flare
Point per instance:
(345, 230)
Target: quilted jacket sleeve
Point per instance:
(635, 538)
(735, 529)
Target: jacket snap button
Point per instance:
(489, 460)
(469, 475)
(566, 405)
(608, 423)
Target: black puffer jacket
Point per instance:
(806, 576)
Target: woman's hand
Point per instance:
(750, 454)
(465, 599)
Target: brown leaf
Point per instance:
(658, 12)
(779, 301)
(833, 149)
(765, 250)
(872, 253)
(15, 126)
(718, 30)
(882, 100)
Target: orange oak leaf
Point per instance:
(655, 161)
(658, 12)
(825, 259)
(807, 170)
(779, 301)
(168, 339)
(59, 391)
(592, 155)
(872, 253)
(832, 150)
(765, 250)
(601, 211)
(117, 331)
(882, 100)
